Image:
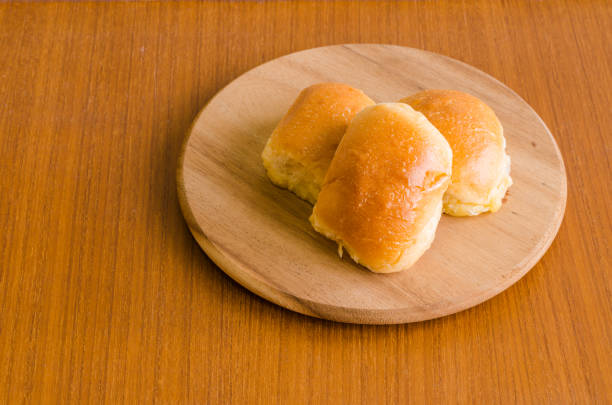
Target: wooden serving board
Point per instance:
(260, 236)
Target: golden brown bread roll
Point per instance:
(382, 196)
(481, 167)
(300, 149)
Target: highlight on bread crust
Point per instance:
(301, 147)
(382, 196)
(481, 167)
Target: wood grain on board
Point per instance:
(105, 297)
(260, 235)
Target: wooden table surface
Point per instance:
(106, 298)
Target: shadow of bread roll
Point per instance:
(301, 147)
(481, 167)
(382, 196)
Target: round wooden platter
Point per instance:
(260, 236)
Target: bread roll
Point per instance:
(481, 167)
(382, 196)
(300, 149)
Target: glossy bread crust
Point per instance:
(382, 196)
(300, 149)
(481, 167)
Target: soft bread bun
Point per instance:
(481, 167)
(382, 196)
(300, 149)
